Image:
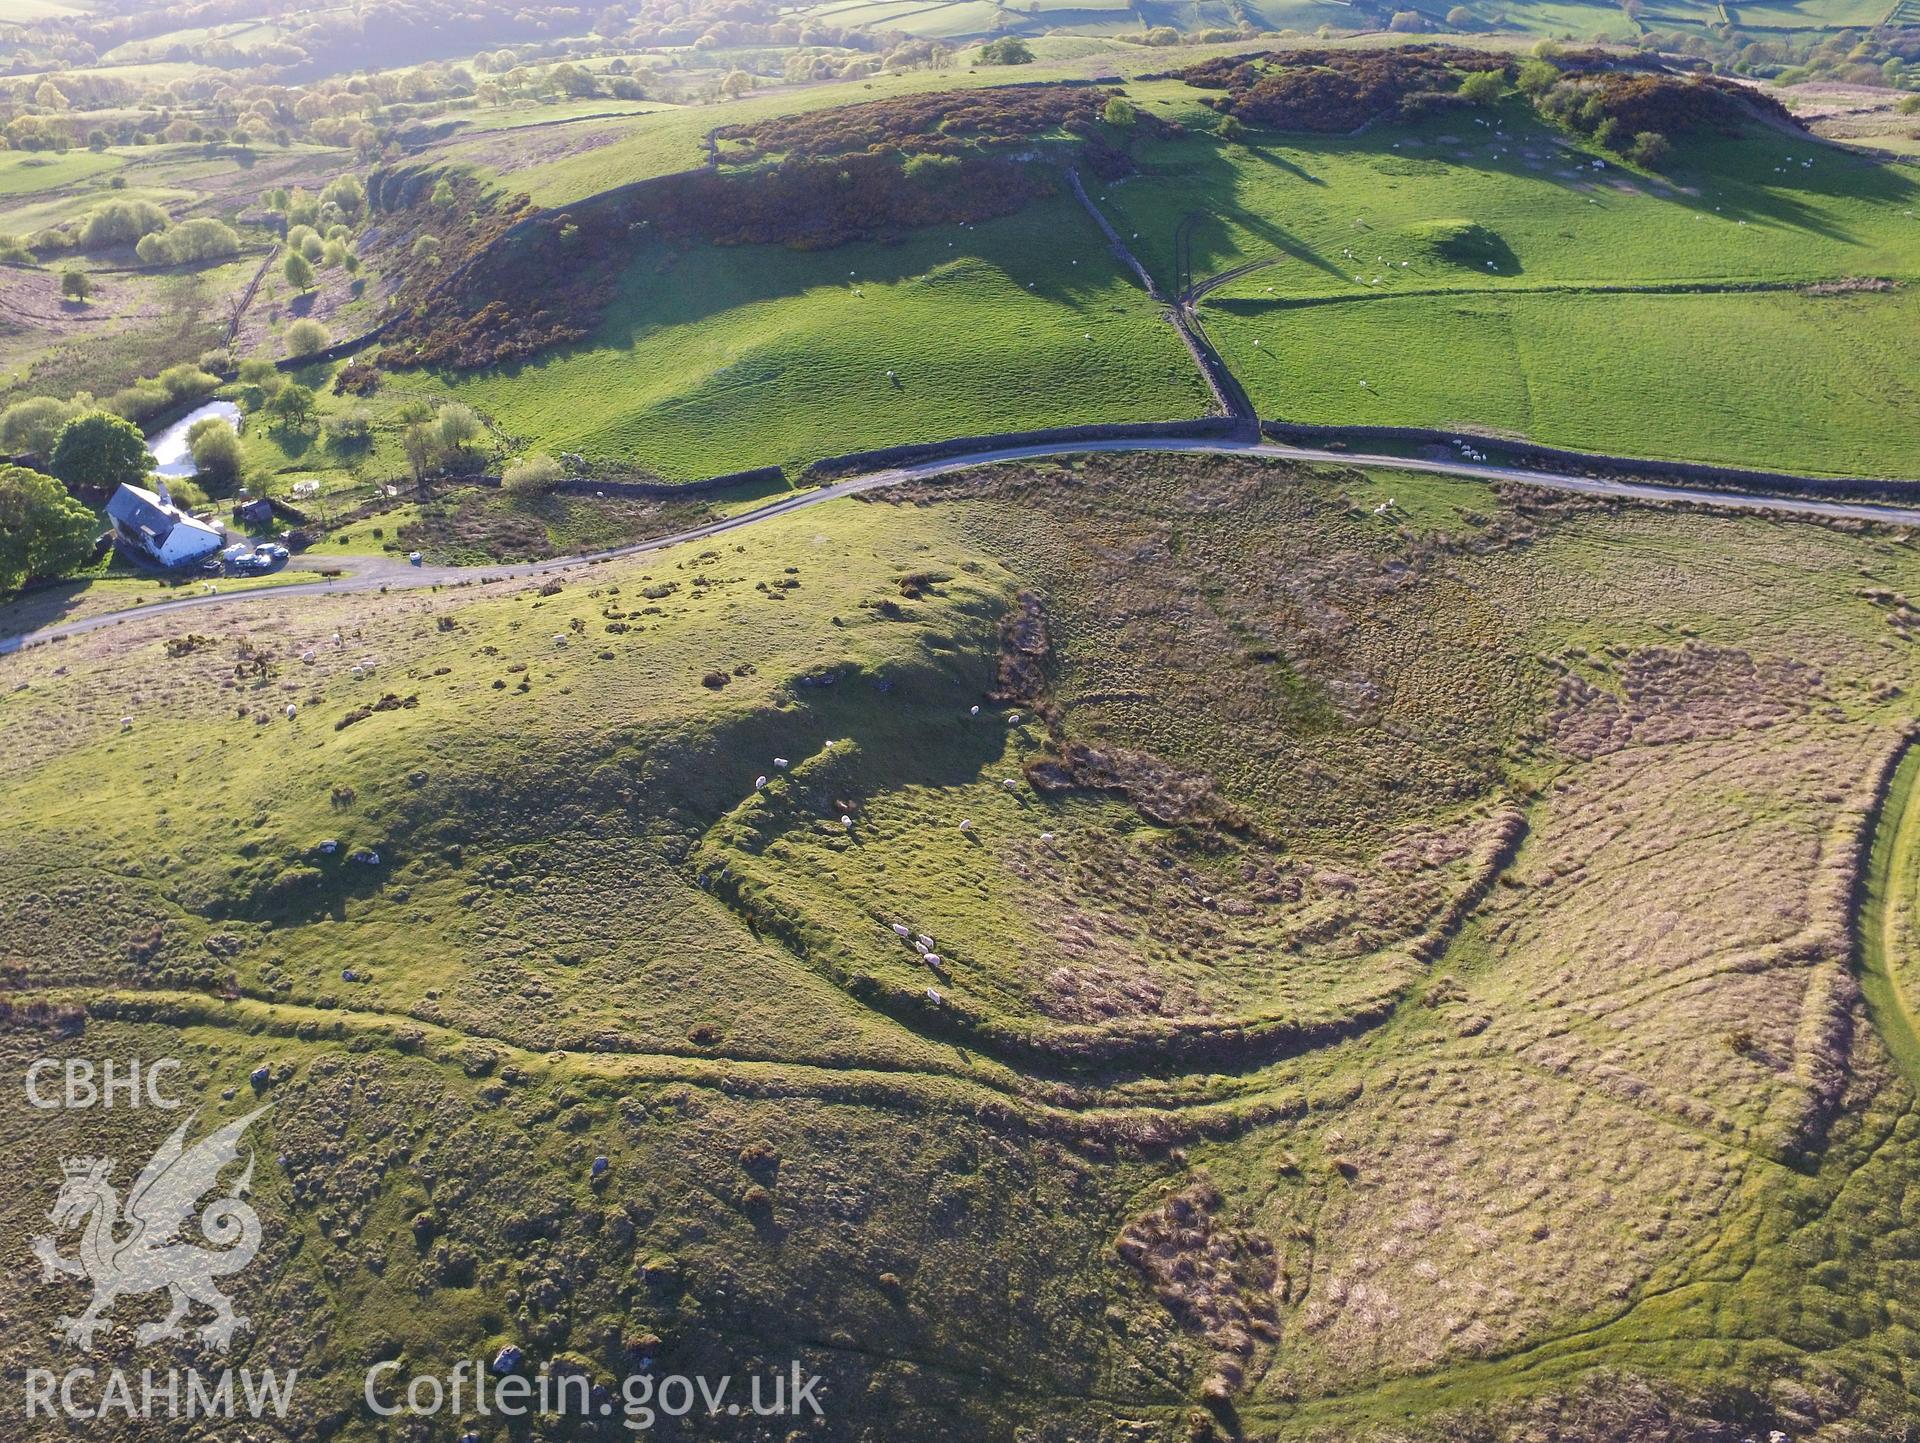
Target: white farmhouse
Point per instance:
(153, 528)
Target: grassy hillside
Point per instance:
(1365, 822)
(1483, 271)
(718, 358)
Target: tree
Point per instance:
(260, 380)
(421, 442)
(532, 476)
(1649, 150)
(29, 428)
(299, 271)
(1537, 77)
(200, 239)
(100, 449)
(443, 196)
(76, 285)
(292, 405)
(120, 223)
(1459, 17)
(459, 427)
(348, 194)
(1406, 22)
(306, 337)
(1483, 87)
(427, 248)
(1119, 113)
(43, 530)
(1008, 50)
(219, 461)
(351, 432)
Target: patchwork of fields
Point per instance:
(1477, 272)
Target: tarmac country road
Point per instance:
(392, 574)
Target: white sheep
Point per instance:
(923, 941)
(126, 723)
(1010, 784)
(759, 782)
(780, 762)
(308, 656)
(973, 711)
(965, 825)
(292, 711)
(902, 930)
(846, 822)
(1046, 836)
(1014, 720)
(932, 959)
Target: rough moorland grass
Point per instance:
(671, 140)
(716, 359)
(1782, 380)
(1628, 1121)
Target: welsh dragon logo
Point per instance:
(151, 1254)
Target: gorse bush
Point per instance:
(306, 337)
(533, 475)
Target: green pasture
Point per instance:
(1781, 379)
(715, 359)
(25, 172)
(1335, 212)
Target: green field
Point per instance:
(1337, 212)
(1524, 328)
(1702, 377)
(717, 359)
(22, 173)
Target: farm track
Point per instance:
(392, 574)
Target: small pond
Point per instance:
(169, 447)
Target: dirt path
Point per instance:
(392, 574)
